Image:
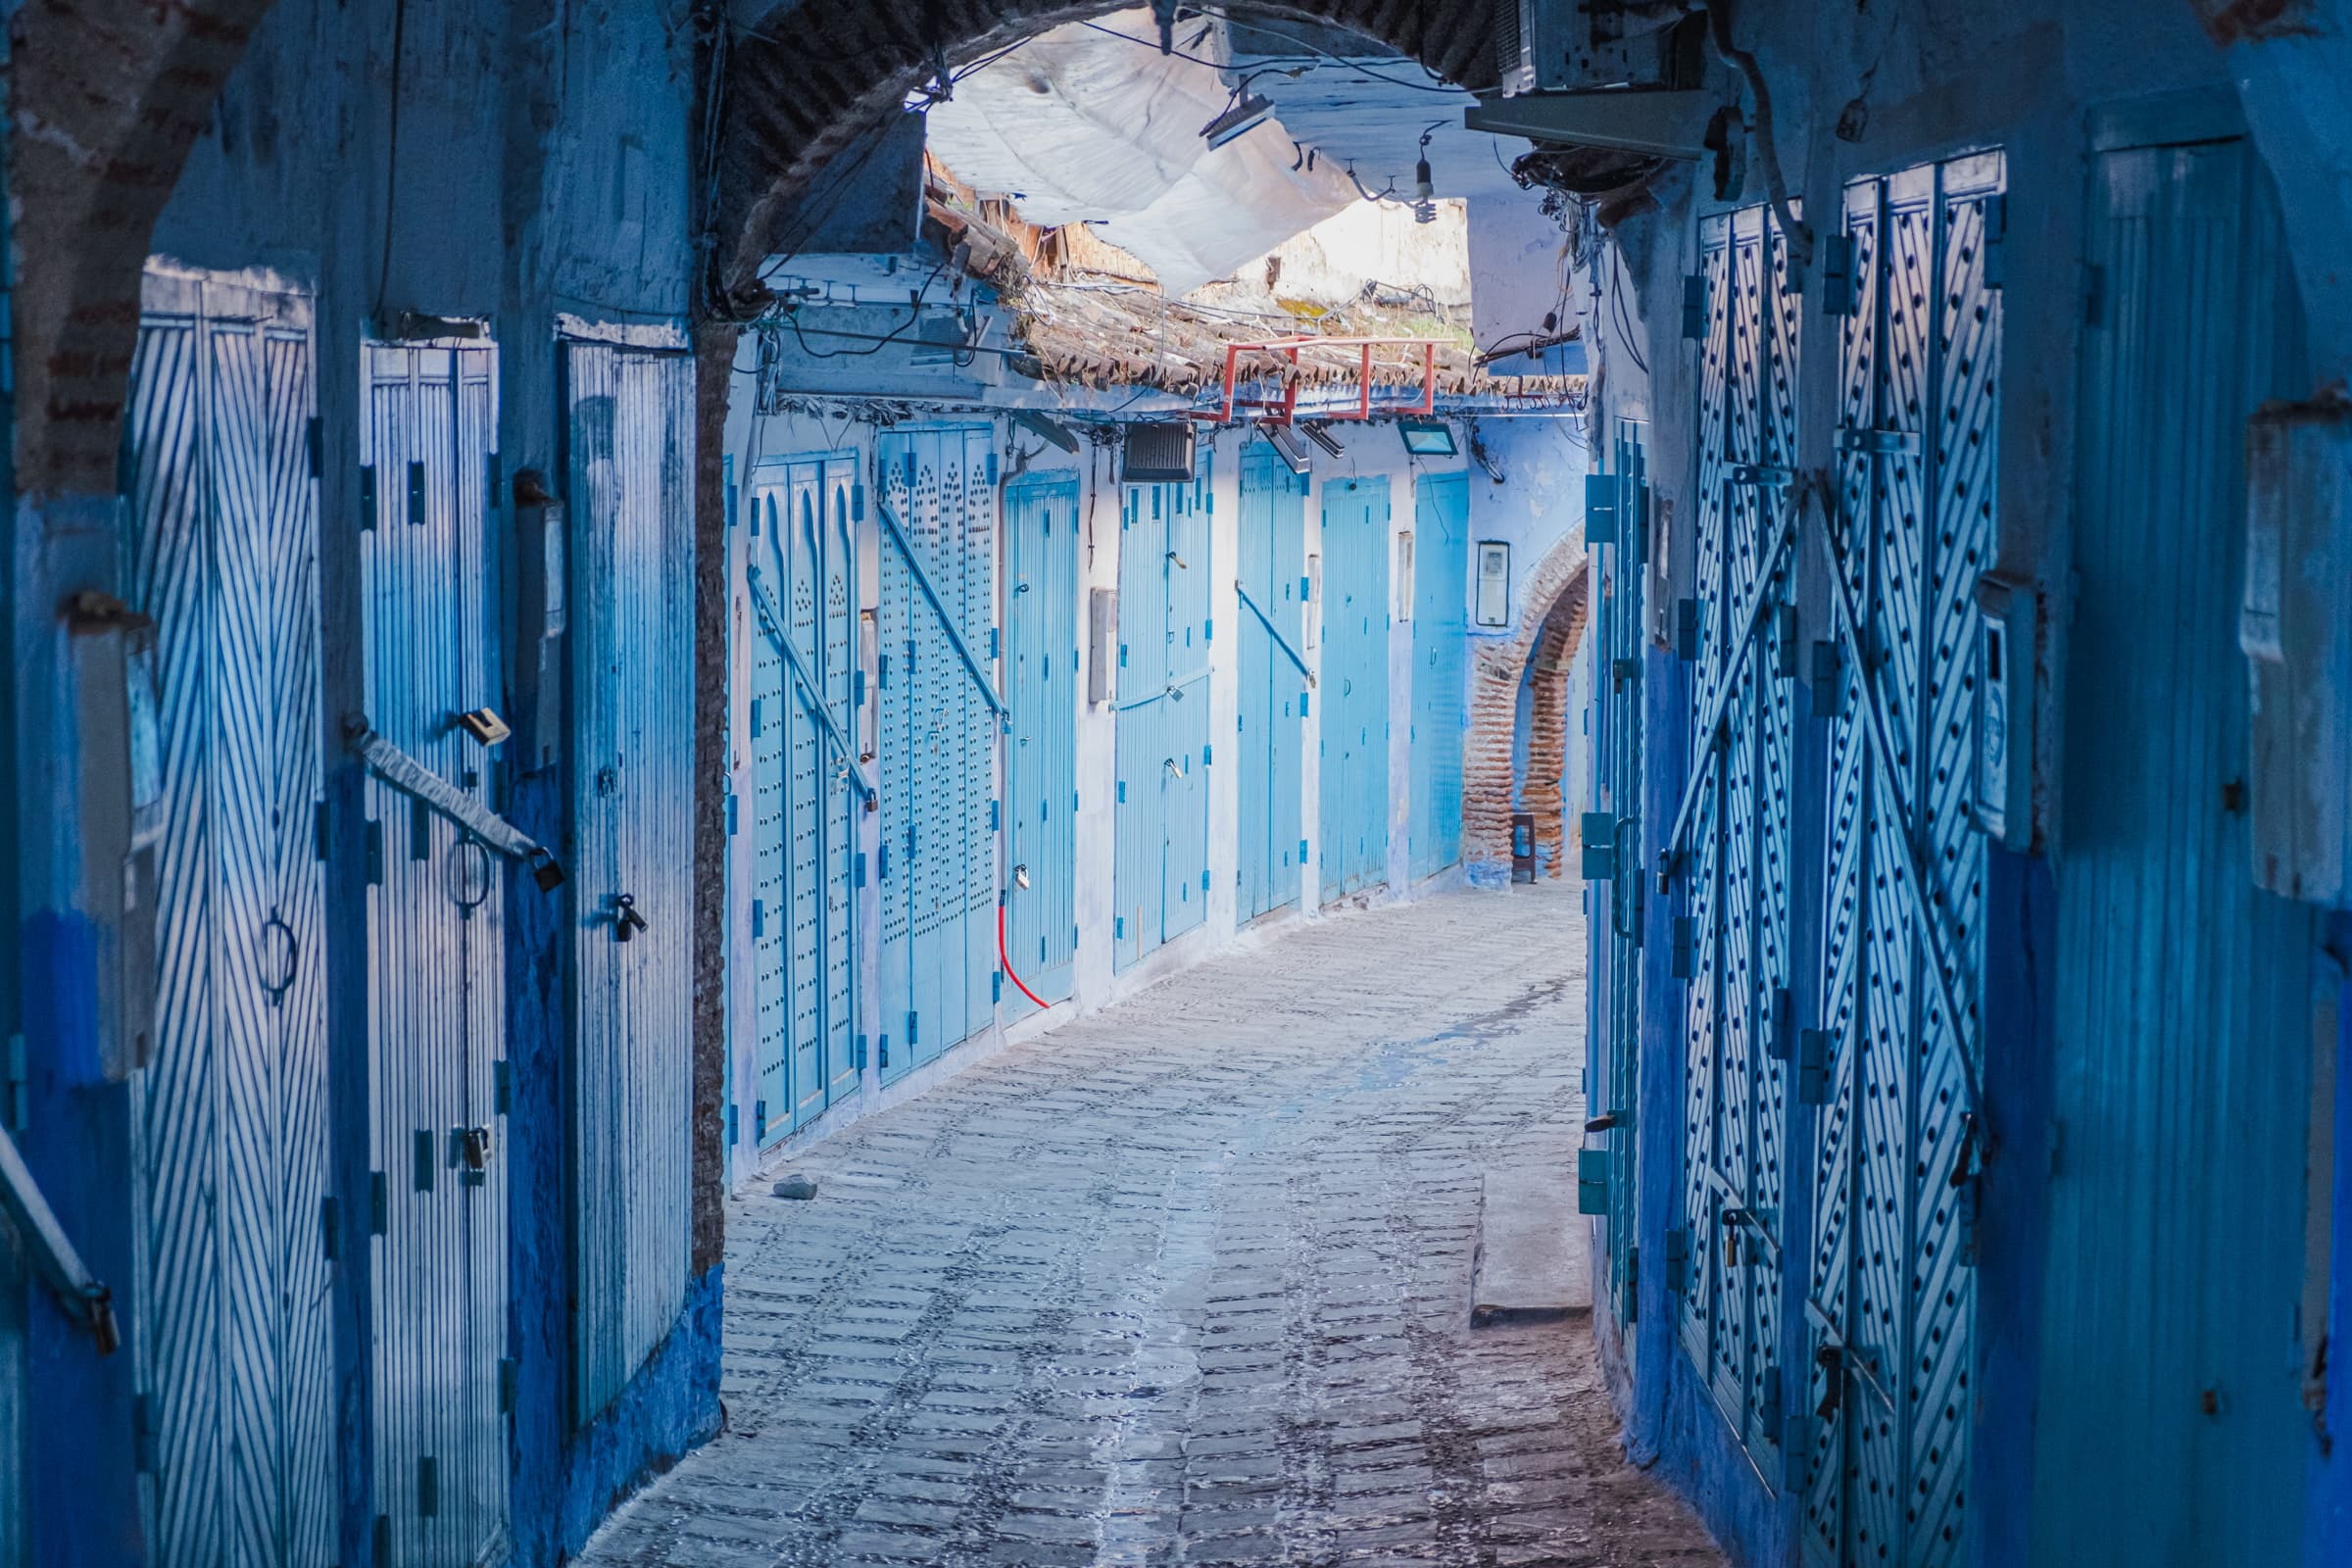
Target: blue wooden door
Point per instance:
(1271, 636)
(1891, 1306)
(1732, 860)
(1353, 851)
(632, 468)
(15, 1389)
(1159, 875)
(938, 513)
(1440, 626)
(1040, 789)
(437, 960)
(230, 1105)
(1613, 859)
(798, 571)
(2184, 1039)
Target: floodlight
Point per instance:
(1239, 117)
(1288, 446)
(1322, 437)
(1427, 438)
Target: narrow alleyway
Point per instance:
(1187, 1282)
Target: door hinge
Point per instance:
(379, 1203)
(1813, 1067)
(508, 1374)
(415, 491)
(142, 1434)
(1785, 643)
(318, 831)
(1997, 240)
(1780, 1038)
(1837, 293)
(366, 497)
(1677, 1260)
(502, 1087)
(1684, 939)
(15, 1087)
(1828, 680)
(427, 1156)
(1599, 837)
(758, 919)
(995, 816)
(1768, 1414)
(2094, 296)
(492, 496)
(312, 443)
(857, 871)
(1303, 709)
(421, 831)
(330, 1231)
(759, 1119)
(730, 815)
(857, 1061)
(374, 852)
(1694, 306)
(734, 1131)
(913, 1030)
(1686, 629)
(428, 1486)
(995, 985)
(1592, 1181)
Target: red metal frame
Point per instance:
(1285, 410)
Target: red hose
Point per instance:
(1007, 959)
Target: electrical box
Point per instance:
(1101, 643)
(1554, 45)
(2295, 628)
(2005, 783)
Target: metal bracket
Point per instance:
(420, 783)
(922, 580)
(1280, 641)
(1660, 120)
(805, 684)
(78, 1291)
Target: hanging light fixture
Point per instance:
(1425, 190)
(1288, 446)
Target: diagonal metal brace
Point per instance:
(1280, 641)
(922, 580)
(1751, 616)
(1882, 750)
(83, 1298)
(805, 684)
(414, 779)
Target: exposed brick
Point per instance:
(1553, 604)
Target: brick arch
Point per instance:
(808, 79)
(1553, 604)
(108, 97)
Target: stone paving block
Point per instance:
(1182, 1283)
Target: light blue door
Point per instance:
(2184, 1037)
(234, 1360)
(937, 510)
(1890, 1309)
(436, 959)
(631, 442)
(1355, 849)
(799, 567)
(1441, 590)
(1274, 696)
(1159, 876)
(1613, 861)
(1731, 862)
(1041, 792)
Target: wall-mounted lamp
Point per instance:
(1240, 115)
(1321, 436)
(1288, 446)
(1427, 438)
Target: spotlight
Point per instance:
(1287, 446)
(1322, 437)
(1239, 116)
(1427, 438)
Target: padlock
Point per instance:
(626, 919)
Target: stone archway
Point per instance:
(806, 80)
(1554, 602)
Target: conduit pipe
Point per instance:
(1799, 234)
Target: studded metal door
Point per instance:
(805, 793)
(1041, 790)
(1730, 844)
(1892, 1293)
(2174, 1368)
(631, 445)
(1441, 590)
(937, 489)
(1613, 839)
(1272, 639)
(1354, 849)
(1159, 873)
(235, 1368)
(436, 958)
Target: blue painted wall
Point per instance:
(533, 166)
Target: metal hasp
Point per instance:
(414, 779)
(83, 1298)
(803, 685)
(939, 608)
(1285, 409)
(1667, 122)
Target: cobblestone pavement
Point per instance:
(1186, 1282)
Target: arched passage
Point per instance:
(1552, 606)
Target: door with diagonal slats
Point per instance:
(235, 1366)
(1273, 689)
